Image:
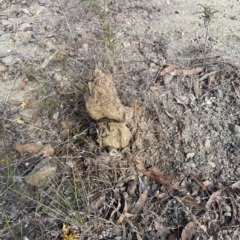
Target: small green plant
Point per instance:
(108, 37)
(208, 14)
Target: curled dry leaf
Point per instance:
(61, 52)
(47, 150)
(186, 72)
(168, 69)
(210, 75)
(213, 198)
(236, 185)
(188, 231)
(30, 148)
(181, 101)
(140, 203)
(155, 174)
(124, 214)
(192, 203)
(196, 88)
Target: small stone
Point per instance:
(218, 93)
(5, 37)
(10, 60)
(28, 114)
(126, 44)
(41, 2)
(190, 155)
(207, 143)
(237, 129)
(25, 27)
(211, 164)
(40, 173)
(2, 68)
(57, 77)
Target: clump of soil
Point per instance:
(101, 101)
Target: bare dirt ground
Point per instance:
(178, 177)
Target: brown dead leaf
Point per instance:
(213, 198)
(168, 69)
(171, 236)
(196, 88)
(236, 185)
(76, 91)
(30, 148)
(156, 87)
(141, 201)
(61, 52)
(155, 174)
(47, 150)
(124, 214)
(49, 59)
(141, 46)
(192, 203)
(186, 72)
(198, 180)
(205, 76)
(188, 231)
(64, 134)
(236, 89)
(21, 85)
(181, 101)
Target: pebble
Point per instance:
(25, 27)
(2, 68)
(237, 129)
(207, 143)
(118, 238)
(218, 94)
(5, 37)
(57, 77)
(9, 60)
(190, 155)
(40, 172)
(211, 164)
(41, 2)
